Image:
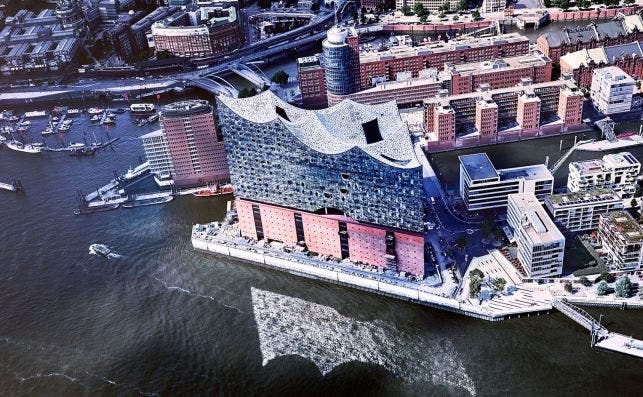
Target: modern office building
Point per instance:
(342, 181)
(581, 64)
(614, 171)
(521, 110)
(580, 211)
(429, 5)
(142, 27)
(622, 240)
(621, 30)
(206, 31)
(196, 148)
(482, 186)
(540, 245)
(157, 153)
(612, 90)
(340, 60)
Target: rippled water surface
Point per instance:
(165, 320)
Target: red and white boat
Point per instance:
(215, 190)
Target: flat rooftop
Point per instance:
(528, 172)
(473, 96)
(587, 197)
(535, 58)
(623, 224)
(537, 224)
(403, 51)
(609, 161)
(478, 166)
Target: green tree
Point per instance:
(608, 277)
(423, 18)
(585, 281)
(476, 274)
(582, 4)
(623, 287)
(462, 5)
(406, 10)
(245, 93)
(634, 203)
(418, 9)
(264, 3)
(474, 288)
(314, 7)
(280, 77)
(499, 284)
(446, 6)
(475, 14)
(455, 17)
(568, 287)
(602, 288)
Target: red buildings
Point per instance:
(623, 29)
(581, 64)
(197, 151)
(312, 82)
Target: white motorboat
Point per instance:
(141, 108)
(94, 111)
(21, 147)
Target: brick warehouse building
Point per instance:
(621, 30)
(342, 181)
(489, 116)
(196, 148)
(581, 64)
(363, 70)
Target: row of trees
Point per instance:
(476, 278)
(622, 288)
(420, 11)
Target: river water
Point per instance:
(165, 320)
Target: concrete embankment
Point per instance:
(377, 286)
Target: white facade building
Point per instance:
(429, 5)
(622, 239)
(493, 5)
(612, 90)
(157, 153)
(483, 187)
(582, 210)
(541, 246)
(614, 171)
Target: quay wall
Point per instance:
(414, 295)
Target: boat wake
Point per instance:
(188, 292)
(104, 251)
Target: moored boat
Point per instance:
(94, 111)
(148, 201)
(213, 191)
(141, 108)
(25, 148)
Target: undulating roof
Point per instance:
(377, 130)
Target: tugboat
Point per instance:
(100, 249)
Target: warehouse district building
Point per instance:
(343, 181)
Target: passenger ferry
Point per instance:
(141, 108)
